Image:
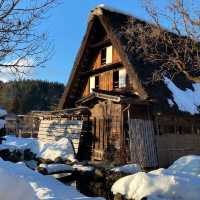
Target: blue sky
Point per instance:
(66, 26)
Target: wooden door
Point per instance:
(101, 132)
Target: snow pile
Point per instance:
(3, 112)
(2, 123)
(16, 143)
(83, 168)
(18, 186)
(188, 100)
(26, 184)
(128, 169)
(54, 168)
(187, 164)
(60, 149)
(162, 184)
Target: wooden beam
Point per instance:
(104, 68)
(100, 44)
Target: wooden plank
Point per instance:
(142, 142)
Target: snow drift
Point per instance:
(21, 183)
(60, 149)
(172, 183)
(128, 169)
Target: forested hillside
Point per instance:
(23, 96)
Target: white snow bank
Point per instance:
(14, 187)
(53, 168)
(3, 112)
(52, 150)
(21, 183)
(188, 100)
(82, 168)
(60, 149)
(180, 181)
(129, 169)
(14, 143)
(2, 123)
(163, 186)
(187, 164)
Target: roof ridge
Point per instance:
(112, 9)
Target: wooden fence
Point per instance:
(142, 143)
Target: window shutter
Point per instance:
(92, 83)
(122, 78)
(109, 55)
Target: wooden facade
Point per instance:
(131, 119)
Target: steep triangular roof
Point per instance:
(105, 16)
(141, 72)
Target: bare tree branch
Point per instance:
(176, 50)
(20, 38)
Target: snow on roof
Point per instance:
(188, 100)
(110, 8)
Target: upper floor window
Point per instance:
(115, 79)
(106, 55)
(103, 56)
(94, 83)
(119, 78)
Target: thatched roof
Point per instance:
(138, 68)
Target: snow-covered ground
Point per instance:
(188, 100)
(3, 113)
(2, 123)
(52, 150)
(181, 181)
(83, 168)
(21, 183)
(128, 169)
(54, 168)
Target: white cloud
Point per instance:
(7, 74)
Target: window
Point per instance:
(106, 55)
(115, 79)
(119, 78)
(122, 78)
(103, 56)
(94, 83)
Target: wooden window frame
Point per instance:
(103, 55)
(116, 79)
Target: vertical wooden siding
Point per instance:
(106, 78)
(142, 143)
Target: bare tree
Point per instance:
(21, 44)
(175, 49)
